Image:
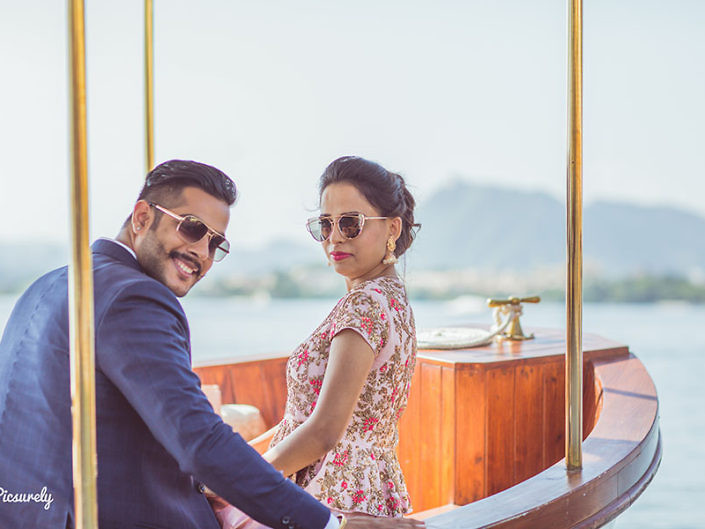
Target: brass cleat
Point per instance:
(512, 307)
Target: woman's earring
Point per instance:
(390, 258)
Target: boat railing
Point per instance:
(620, 457)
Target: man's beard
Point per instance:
(153, 261)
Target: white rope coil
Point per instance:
(466, 337)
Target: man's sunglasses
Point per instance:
(191, 229)
(349, 225)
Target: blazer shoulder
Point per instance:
(117, 283)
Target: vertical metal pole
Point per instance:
(85, 466)
(149, 81)
(574, 286)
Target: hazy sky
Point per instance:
(272, 91)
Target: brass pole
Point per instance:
(149, 81)
(85, 466)
(574, 288)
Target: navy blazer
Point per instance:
(158, 437)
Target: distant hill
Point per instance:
(465, 225)
(22, 263)
(624, 238)
(248, 261)
(468, 225)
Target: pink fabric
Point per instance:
(362, 473)
(231, 517)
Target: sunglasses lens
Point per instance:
(192, 229)
(350, 225)
(218, 247)
(319, 228)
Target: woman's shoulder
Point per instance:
(380, 288)
(377, 298)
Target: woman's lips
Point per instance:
(339, 256)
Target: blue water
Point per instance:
(668, 338)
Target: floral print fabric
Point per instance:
(362, 473)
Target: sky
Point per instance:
(272, 91)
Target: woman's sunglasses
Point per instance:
(191, 229)
(349, 225)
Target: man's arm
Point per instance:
(142, 346)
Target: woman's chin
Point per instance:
(344, 269)
(341, 268)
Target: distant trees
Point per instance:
(638, 289)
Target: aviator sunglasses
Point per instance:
(191, 229)
(349, 225)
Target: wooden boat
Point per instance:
(482, 440)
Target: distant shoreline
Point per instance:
(639, 289)
(292, 285)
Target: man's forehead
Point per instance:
(212, 210)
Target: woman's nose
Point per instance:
(336, 235)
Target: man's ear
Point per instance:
(142, 217)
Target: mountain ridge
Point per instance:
(499, 228)
(473, 226)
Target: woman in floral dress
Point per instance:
(348, 382)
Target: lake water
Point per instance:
(668, 338)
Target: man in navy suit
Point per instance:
(159, 440)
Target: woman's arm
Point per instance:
(349, 363)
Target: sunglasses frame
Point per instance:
(210, 232)
(336, 219)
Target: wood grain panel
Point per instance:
(274, 379)
(470, 434)
(410, 440)
(259, 383)
(622, 455)
(528, 417)
(448, 426)
(591, 398)
(553, 412)
(500, 429)
(431, 421)
(217, 375)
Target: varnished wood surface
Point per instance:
(261, 383)
(481, 421)
(621, 456)
(505, 413)
(548, 342)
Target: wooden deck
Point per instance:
(481, 422)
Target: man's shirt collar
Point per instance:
(132, 252)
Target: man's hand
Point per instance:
(375, 522)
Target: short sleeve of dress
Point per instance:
(364, 314)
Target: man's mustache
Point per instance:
(188, 259)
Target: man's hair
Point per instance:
(167, 180)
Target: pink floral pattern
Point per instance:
(362, 473)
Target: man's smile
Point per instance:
(185, 268)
